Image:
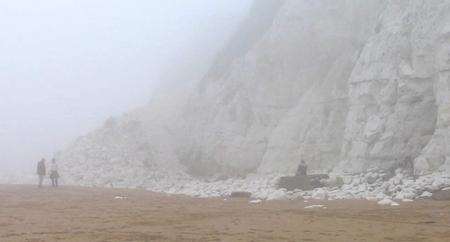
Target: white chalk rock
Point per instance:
(320, 194)
(255, 201)
(386, 201)
(315, 206)
(426, 194)
(371, 198)
(394, 204)
(277, 195)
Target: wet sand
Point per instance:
(93, 214)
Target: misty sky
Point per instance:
(67, 65)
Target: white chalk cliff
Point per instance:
(348, 86)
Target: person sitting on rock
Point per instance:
(408, 166)
(302, 169)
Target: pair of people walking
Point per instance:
(42, 172)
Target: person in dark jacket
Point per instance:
(302, 169)
(41, 171)
(54, 175)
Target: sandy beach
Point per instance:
(93, 214)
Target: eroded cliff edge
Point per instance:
(348, 86)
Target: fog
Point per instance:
(66, 66)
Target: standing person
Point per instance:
(41, 171)
(302, 169)
(54, 175)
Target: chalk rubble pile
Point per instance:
(369, 186)
(351, 87)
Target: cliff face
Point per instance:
(394, 88)
(436, 154)
(345, 85)
(255, 111)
